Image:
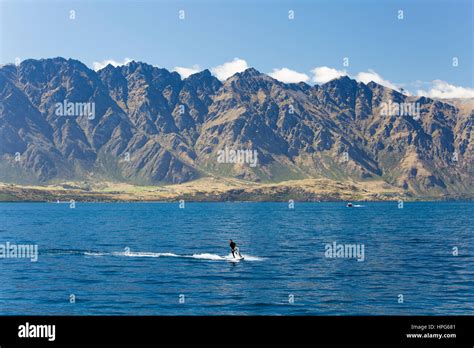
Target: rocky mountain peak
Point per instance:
(151, 126)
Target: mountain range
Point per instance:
(151, 127)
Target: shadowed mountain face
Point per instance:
(60, 120)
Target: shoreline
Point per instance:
(220, 190)
(244, 202)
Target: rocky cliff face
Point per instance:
(144, 124)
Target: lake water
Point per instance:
(158, 259)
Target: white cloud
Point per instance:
(323, 74)
(100, 65)
(288, 76)
(185, 72)
(442, 89)
(371, 75)
(228, 69)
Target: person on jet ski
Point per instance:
(234, 248)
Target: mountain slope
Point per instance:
(149, 126)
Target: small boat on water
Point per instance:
(349, 205)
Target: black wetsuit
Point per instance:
(232, 246)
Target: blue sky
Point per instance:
(415, 52)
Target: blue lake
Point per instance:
(139, 258)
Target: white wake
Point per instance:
(204, 256)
